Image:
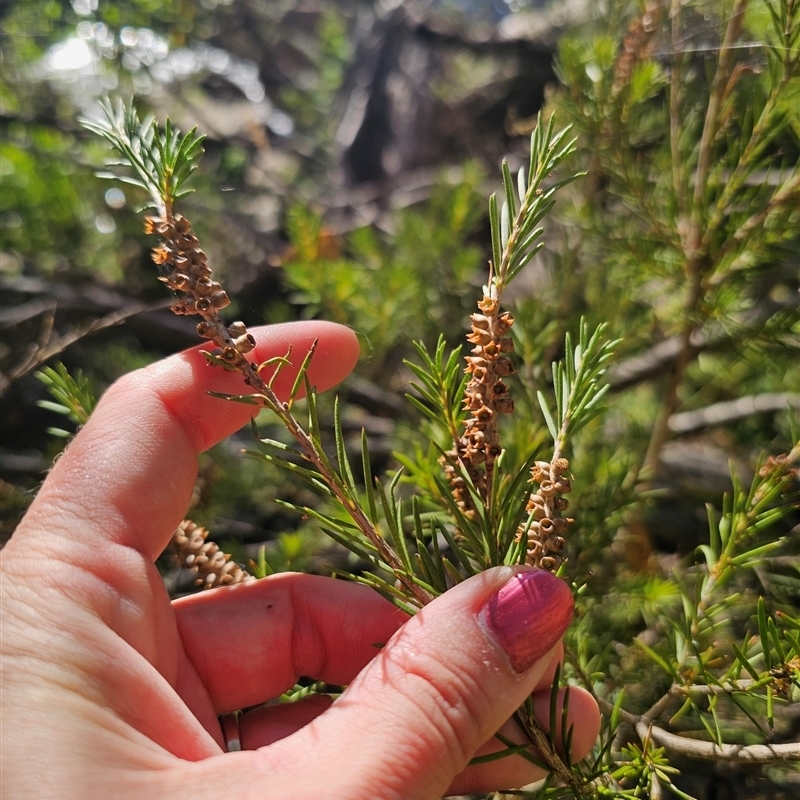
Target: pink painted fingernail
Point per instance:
(528, 616)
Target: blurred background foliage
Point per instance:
(350, 149)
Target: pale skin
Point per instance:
(111, 690)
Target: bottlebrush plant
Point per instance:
(709, 667)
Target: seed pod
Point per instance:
(503, 367)
(560, 465)
(160, 255)
(182, 225)
(560, 524)
(205, 330)
(548, 563)
(205, 287)
(180, 282)
(184, 307)
(245, 343)
(499, 388)
(554, 544)
(504, 405)
(237, 328)
(546, 526)
(503, 323)
(547, 488)
(220, 300)
(479, 337)
(493, 452)
(483, 414)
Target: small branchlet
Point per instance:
(515, 240)
(161, 162)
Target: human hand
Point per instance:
(109, 690)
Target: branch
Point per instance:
(46, 349)
(660, 357)
(732, 410)
(711, 124)
(693, 748)
(735, 753)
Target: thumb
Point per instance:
(443, 685)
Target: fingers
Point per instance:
(128, 475)
(250, 643)
(442, 686)
(268, 724)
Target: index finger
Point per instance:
(127, 477)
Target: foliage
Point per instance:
(380, 284)
(680, 239)
(72, 395)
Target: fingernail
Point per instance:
(527, 616)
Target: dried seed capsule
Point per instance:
(205, 287)
(480, 321)
(230, 354)
(560, 465)
(555, 544)
(476, 361)
(483, 414)
(560, 524)
(546, 526)
(160, 255)
(185, 307)
(237, 328)
(220, 300)
(563, 486)
(503, 323)
(547, 488)
(245, 343)
(548, 562)
(182, 225)
(180, 282)
(503, 367)
(479, 337)
(560, 503)
(506, 345)
(539, 512)
(203, 304)
(504, 405)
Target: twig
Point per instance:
(45, 350)
(732, 410)
(678, 182)
(693, 748)
(736, 753)
(711, 125)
